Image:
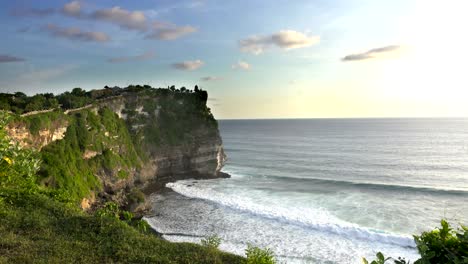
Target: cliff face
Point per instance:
(105, 149)
(202, 159)
(175, 148)
(21, 134)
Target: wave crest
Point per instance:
(316, 219)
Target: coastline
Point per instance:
(158, 186)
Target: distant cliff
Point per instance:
(115, 139)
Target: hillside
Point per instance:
(72, 168)
(98, 146)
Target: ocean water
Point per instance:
(325, 190)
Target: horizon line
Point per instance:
(309, 118)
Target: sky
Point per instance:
(256, 58)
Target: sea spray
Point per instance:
(308, 217)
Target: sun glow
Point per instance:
(432, 66)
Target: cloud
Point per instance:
(168, 31)
(33, 79)
(284, 39)
(210, 78)
(176, 6)
(133, 20)
(242, 65)
(72, 9)
(8, 58)
(23, 29)
(370, 54)
(45, 74)
(188, 65)
(125, 19)
(33, 12)
(76, 34)
(145, 56)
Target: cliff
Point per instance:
(122, 139)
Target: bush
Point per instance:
(211, 242)
(37, 229)
(18, 166)
(110, 210)
(441, 245)
(136, 196)
(140, 225)
(256, 255)
(382, 260)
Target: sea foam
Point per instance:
(315, 218)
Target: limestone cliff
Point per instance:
(23, 135)
(133, 137)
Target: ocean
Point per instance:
(325, 190)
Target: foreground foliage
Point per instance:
(211, 241)
(256, 255)
(442, 245)
(35, 228)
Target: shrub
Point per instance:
(211, 241)
(126, 216)
(136, 196)
(441, 245)
(382, 260)
(256, 255)
(140, 225)
(18, 166)
(110, 210)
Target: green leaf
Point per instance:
(380, 257)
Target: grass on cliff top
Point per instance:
(37, 229)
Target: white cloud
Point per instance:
(210, 78)
(126, 19)
(152, 13)
(134, 20)
(31, 80)
(188, 65)
(76, 34)
(72, 9)
(141, 57)
(284, 39)
(168, 31)
(370, 54)
(242, 65)
(24, 12)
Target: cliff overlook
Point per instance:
(97, 146)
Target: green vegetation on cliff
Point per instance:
(64, 166)
(37, 229)
(39, 224)
(99, 148)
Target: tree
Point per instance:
(78, 92)
(20, 95)
(203, 96)
(196, 88)
(49, 95)
(37, 102)
(52, 103)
